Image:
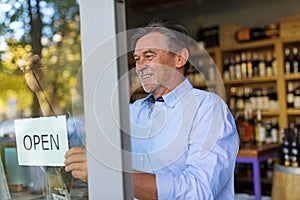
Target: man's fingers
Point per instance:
(78, 170)
(80, 175)
(76, 167)
(74, 151)
(25, 62)
(30, 62)
(36, 62)
(76, 162)
(75, 158)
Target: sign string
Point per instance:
(48, 102)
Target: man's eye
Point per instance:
(149, 57)
(136, 59)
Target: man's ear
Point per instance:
(181, 57)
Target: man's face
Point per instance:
(154, 64)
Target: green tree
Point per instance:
(49, 29)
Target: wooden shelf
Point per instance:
(293, 39)
(250, 80)
(203, 84)
(264, 113)
(293, 111)
(269, 113)
(250, 45)
(292, 76)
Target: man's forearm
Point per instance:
(144, 186)
(49, 104)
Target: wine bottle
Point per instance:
(249, 65)
(287, 61)
(232, 68)
(248, 126)
(269, 68)
(226, 74)
(244, 64)
(262, 65)
(238, 70)
(255, 63)
(294, 146)
(250, 34)
(295, 62)
(274, 130)
(290, 97)
(260, 132)
(286, 148)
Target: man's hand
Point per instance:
(32, 67)
(76, 163)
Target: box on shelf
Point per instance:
(220, 35)
(290, 26)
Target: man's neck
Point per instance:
(165, 90)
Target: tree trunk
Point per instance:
(35, 35)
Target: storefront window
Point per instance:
(40, 61)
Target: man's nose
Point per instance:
(140, 64)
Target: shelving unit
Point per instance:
(277, 45)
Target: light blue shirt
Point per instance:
(189, 142)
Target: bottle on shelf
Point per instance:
(226, 74)
(290, 97)
(294, 152)
(259, 99)
(286, 147)
(244, 65)
(287, 61)
(255, 63)
(233, 99)
(274, 130)
(269, 61)
(260, 132)
(274, 63)
(250, 34)
(249, 65)
(268, 126)
(247, 95)
(297, 97)
(261, 65)
(238, 70)
(265, 99)
(240, 104)
(273, 99)
(232, 68)
(295, 61)
(247, 127)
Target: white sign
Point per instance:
(42, 141)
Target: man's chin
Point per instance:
(147, 88)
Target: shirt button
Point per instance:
(142, 158)
(148, 131)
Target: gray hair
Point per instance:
(176, 35)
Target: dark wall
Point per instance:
(210, 12)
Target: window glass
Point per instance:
(40, 61)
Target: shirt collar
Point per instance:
(175, 95)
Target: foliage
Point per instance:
(60, 47)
